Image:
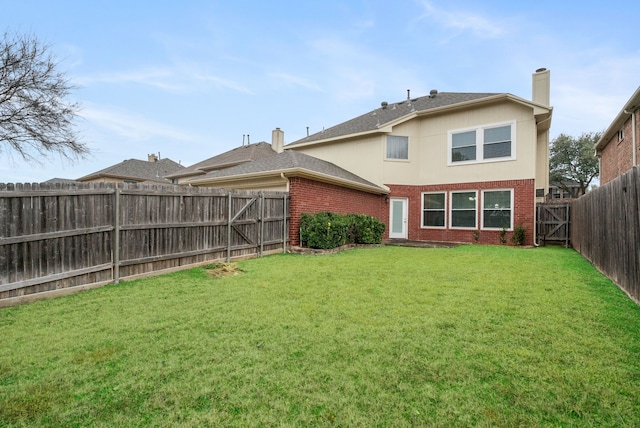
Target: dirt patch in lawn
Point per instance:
(221, 270)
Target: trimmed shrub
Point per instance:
(323, 230)
(329, 230)
(518, 235)
(366, 229)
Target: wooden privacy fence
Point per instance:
(57, 239)
(605, 229)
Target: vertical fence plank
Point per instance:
(115, 251)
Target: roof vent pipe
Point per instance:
(408, 94)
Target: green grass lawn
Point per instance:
(388, 336)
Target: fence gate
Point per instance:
(553, 223)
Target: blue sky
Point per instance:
(188, 79)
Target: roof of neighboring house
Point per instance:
(57, 180)
(137, 170)
(567, 183)
(248, 153)
(631, 106)
(289, 163)
(378, 118)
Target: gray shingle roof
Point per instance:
(59, 180)
(139, 170)
(393, 111)
(248, 153)
(287, 161)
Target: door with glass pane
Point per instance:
(398, 218)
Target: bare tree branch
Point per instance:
(35, 118)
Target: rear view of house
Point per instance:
(459, 167)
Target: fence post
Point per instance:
(284, 226)
(116, 237)
(261, 229)
(230, 200)
(568, 228)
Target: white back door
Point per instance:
(398, 218)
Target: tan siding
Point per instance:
(542, 163)
(428, 139)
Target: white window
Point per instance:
(434, 210)
(497, 209)
(487, 143)
(397, 147)
(463, 146)
(463, 212)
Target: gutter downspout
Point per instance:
(285, 179)
(634, 144)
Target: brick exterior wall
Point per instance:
(308, 196)
(523, 211)
(617, 156)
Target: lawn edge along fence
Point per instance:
(605, 229)
(60, 238)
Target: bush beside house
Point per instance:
(329, 230)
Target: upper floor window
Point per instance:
(621, 135)
(397, 147)
(482, 144)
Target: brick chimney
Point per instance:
(153, 158)
(541, 87)
(277, 140)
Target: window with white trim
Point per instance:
(463, 211)
(434, 209)
(463, 146)
(487, 143)
(497, 209)
(397, 147)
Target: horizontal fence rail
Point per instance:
(66, 237)
(605, 229)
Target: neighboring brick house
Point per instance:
(456, 167)
(618, 148)
(153, 170)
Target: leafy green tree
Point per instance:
(35, 117)
(573, 163)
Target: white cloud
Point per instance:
(297, 81)
(461, 21)
(156, 77)
(225, 83)
(134, 127)
(590, 87)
